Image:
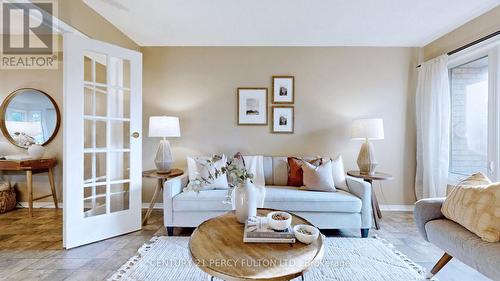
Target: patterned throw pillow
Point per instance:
(198, 168)
(475, 204)
(295, 173)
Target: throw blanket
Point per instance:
(475, 204)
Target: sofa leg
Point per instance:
(439, 265)
(170, 230)
(364, 232)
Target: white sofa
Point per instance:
(344, 209)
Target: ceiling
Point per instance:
(288, 22)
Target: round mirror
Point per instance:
(29, 116)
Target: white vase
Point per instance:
(245, 201)
(260, 192)
(36, 151)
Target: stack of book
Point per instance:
(258, 231)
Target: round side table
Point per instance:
(370, 178)
(161, 177)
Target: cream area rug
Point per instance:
(349, 259)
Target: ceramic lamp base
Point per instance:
(163, 158)
(366, 159)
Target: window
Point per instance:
(469, 118)
(475, 112)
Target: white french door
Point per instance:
(102, 140)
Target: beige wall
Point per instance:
(333, 87)
(473, 30)
(81, 17)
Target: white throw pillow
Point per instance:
(197, 168)
(339, 173)
(318, 178)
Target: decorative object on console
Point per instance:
(318, 178)
(283, 119)
(367, 129)
(29, 116)
(252, 106)
(164, 126)
(36, 151)
(283, 89)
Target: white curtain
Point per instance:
(433, 128)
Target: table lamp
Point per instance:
(367, 129)
(165, 127)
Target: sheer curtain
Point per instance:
(433, 128)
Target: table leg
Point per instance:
(158, 190)
(29, 185)
(374, 205)
(53, 187)
(374, 210)
(379, 213)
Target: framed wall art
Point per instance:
(283, 89)
(283, 119)
(252, 106)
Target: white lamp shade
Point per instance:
(164, 126)
(372, 129)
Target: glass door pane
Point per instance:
(106, 134)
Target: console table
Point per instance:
(31, 167)
(377, 214)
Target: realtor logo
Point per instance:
(28, 40)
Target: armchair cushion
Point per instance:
(465, 246)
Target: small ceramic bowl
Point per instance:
(277, 224)
(305, 233)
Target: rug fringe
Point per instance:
(418, 268)
(129, 265)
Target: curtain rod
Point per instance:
(468, 45)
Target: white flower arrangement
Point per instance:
(235, 168)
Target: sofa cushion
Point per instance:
(291, 198)
(206, 200)
(286, 198)
(465, 246)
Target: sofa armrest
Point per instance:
(170, 189)
(425, 211)
(363, 190)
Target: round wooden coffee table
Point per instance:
(217, 247)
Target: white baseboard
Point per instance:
(397, 208)
(385, 208)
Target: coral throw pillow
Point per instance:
(475, 204)
(295, 173)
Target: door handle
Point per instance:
(135, 135)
